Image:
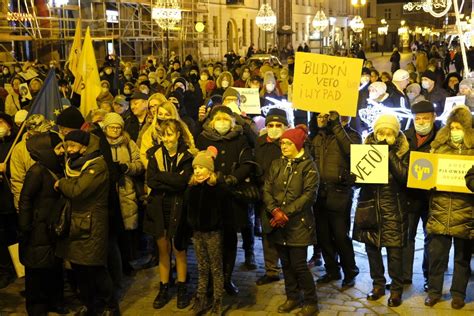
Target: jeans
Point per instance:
(377, 269)
(439, 255)
(409, 250)
(297, 275)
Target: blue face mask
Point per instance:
(457, 136)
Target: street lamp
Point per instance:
(266, 18)
(358, 3)
(383, 31)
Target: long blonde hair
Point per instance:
(176, 125)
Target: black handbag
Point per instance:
(248, 191)
(366, 216)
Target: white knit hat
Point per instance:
(400, 75)
(379, 86)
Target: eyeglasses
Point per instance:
(114, 128)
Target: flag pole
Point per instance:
(14, 143)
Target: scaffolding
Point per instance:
(133, 34)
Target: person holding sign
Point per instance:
(289, 193)
(380, 219)
(419, 136)
(450, 215)
(333, 208)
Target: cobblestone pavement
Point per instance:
(140, 290)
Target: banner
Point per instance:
(438, 171)
(369, 163)
(325, 83)
(249, 100)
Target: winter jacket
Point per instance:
(20, 162)
(133, 126)
(38, 206)
(470, 179)
(266, 151)
(292, 185)
(331, 152)
(167, 191)
(87, 187)
(205, 214)
(437, 96)
(6, 196)
(452, 213)
(387, 202)
(125, 151)
(233, 150)
(12, 104)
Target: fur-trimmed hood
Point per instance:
(401, 143)
(221, 76)
(463, 116)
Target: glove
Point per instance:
(230, 180)
(279, 218)
(333, 119)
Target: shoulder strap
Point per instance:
(53, 174)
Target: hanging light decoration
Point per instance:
(430, 6)
(356, 24)
(266, 18)
(166, 13)
(320, 21)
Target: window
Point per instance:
(297, 32)
(205, 20)
(388, 14)
(244, 32)
(368, 9)
(215, 30)
(252, 31)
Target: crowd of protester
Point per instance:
(164, 162)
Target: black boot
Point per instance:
(250, 262)
(163, 296)
(182, 299)
(229, 262)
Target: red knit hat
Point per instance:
(296, 135)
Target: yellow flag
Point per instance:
(75, 53)
(87, 78)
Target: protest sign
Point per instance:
(25, 92)
(325, 83)
(369, 163)
(438, 171)
(29, 74)
(249, 100)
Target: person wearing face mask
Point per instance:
(384, 223)
(451, 83)
(432, 91)
(12, 102)
(414, 93)
(168, 173)
(333, 208)
(378, 95)
(284, 82)
(128, 90)
(105, 94)
(203, 82)
(269, 89)
(217, 71)
(154, 85)
(161, 77)
(450, 215)
(145, 87)
(224, 81)
(86, 246)
(396, 90)
(108, 73)
(44, 271)
(267, 149)
(127, 77)
(222, 133)
(5, 76)
(419, 137)
(466, 87)
(245, 74)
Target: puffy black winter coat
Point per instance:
(387, 202)
(265, 152)
(38, 206)
(292, 185)
(470, 179)
(88, 190)
(167, 190)
(231, 147)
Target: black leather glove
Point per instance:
(333, 119)
(230, 180)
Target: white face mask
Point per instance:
(426, 84)
(457, 136)
(275, 132)
(423, 129)
(204, 77)
(3, 131)
(108, 71)
(225, 83)
(145, 91)
(222, 127)
(373, 95)
(270, 87)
